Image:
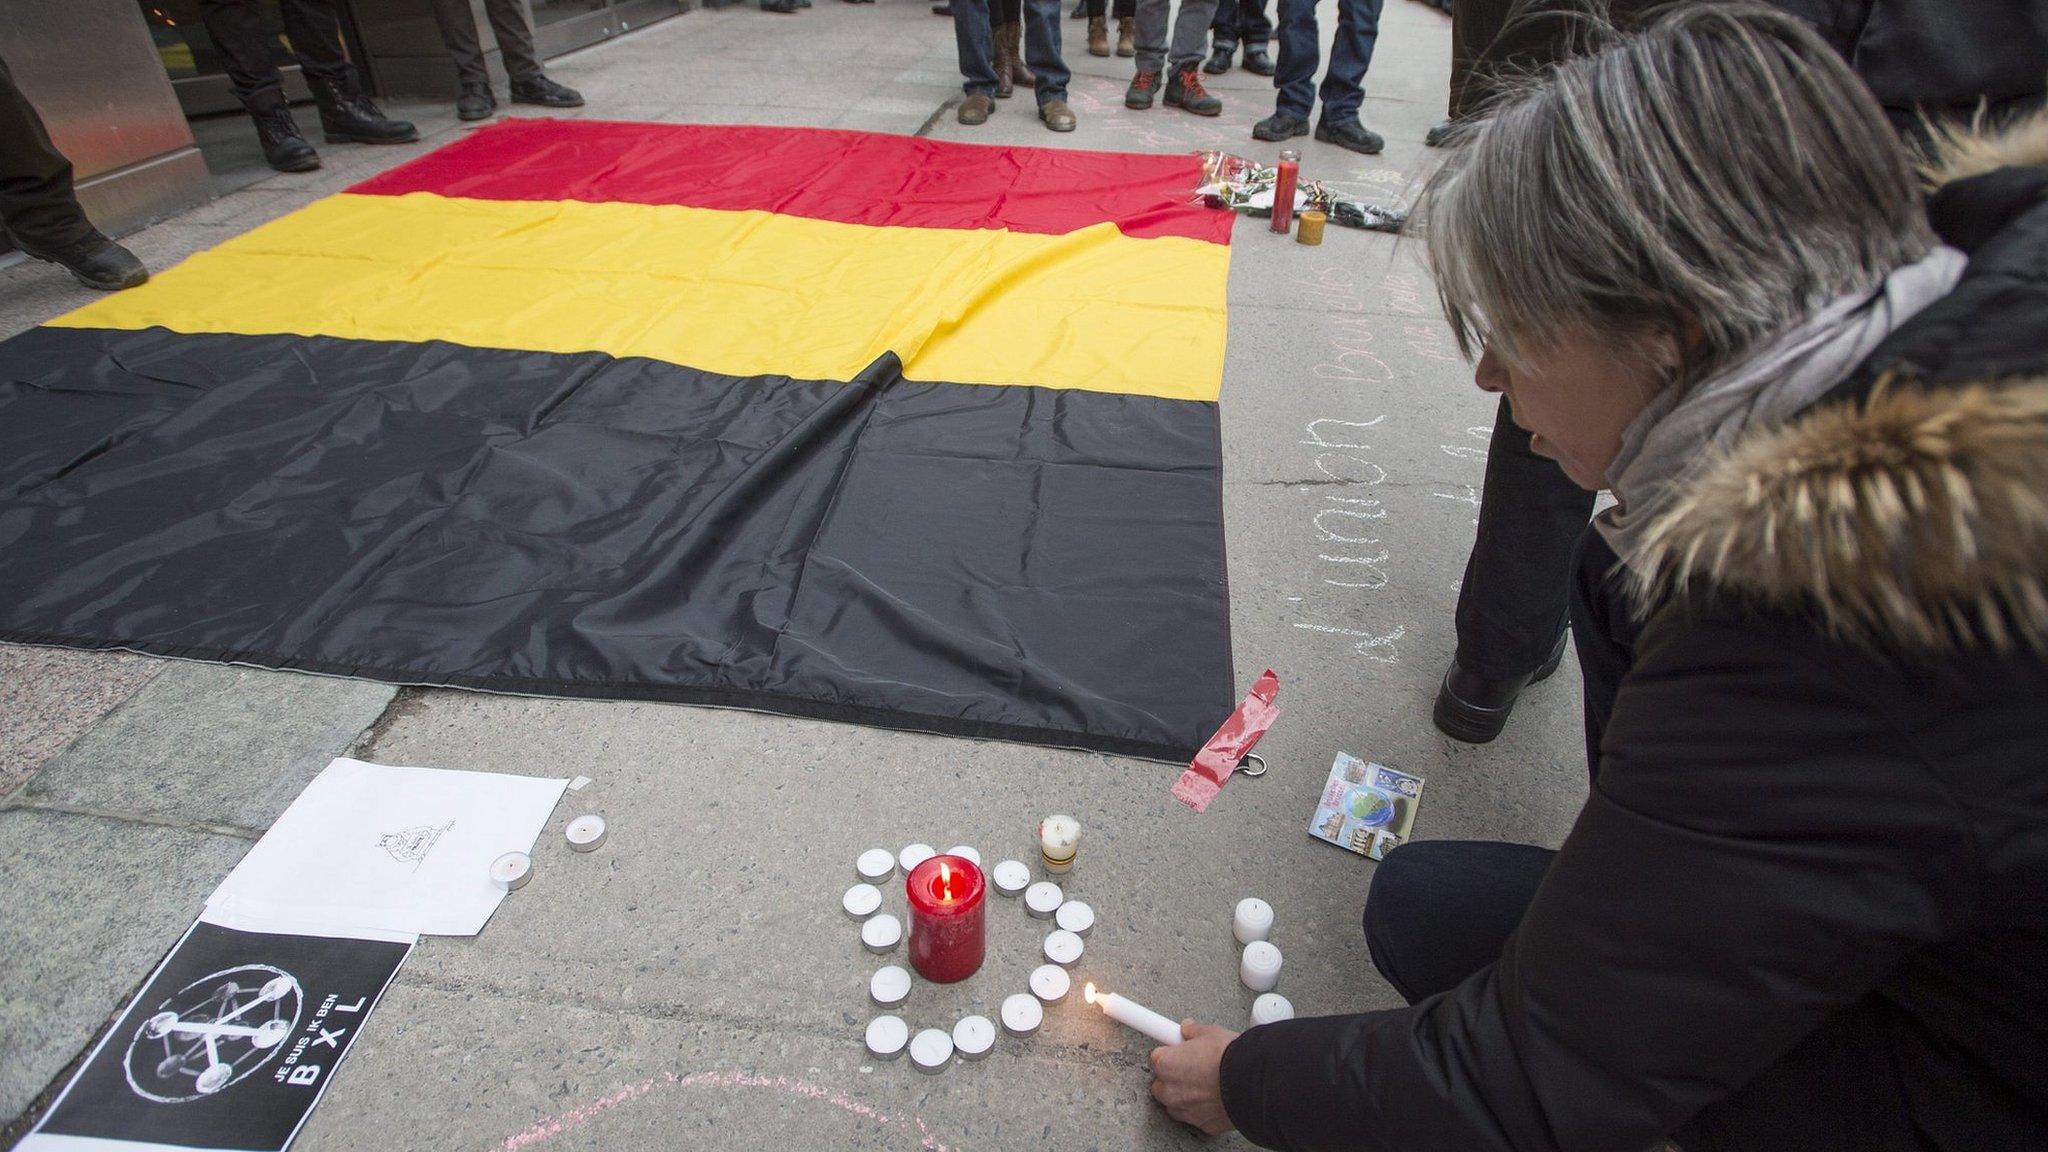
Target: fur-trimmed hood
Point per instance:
(1909, 509)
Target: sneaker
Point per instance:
(1056, 115)
(1256, 61)
(475, 103)
(1440, 135)
(283, 147)
(1184, 90)
(1219, 60)
(1144, 87)
(976, 108)
(95, 262)
(546, 93)
(1349, 134)
(1279, 126)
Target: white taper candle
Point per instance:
(1132, 1014)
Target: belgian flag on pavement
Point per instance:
(842, 425)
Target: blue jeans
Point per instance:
(976, 41)
(1241, 20)
(1358, 28)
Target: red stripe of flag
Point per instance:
(849, 177)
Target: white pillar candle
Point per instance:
(1049, 982)
(875, 865)
(1076, 917)
(861, 901)
(889, 985)
(1011, 877)
(882, 933)
(1132, 1014)
(1043, 899)
(973, 1036)
(887, 1035)
(931, 1050)
(585, 833)
(913, 855)
(1260, 968)
(965, 853)
(1252, 921)
(1271, 1008)
(1022, 1014)
(1063, 948)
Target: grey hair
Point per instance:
(1713, 178)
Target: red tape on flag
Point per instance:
(1212, 766)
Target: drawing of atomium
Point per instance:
(212, 1033)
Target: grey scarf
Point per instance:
(1683, 428)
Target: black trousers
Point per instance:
(1441, 910)
(1240, 21)
(1120, 9)
(1516, 593)
(311, 26)
(508, 25)
(37, 202)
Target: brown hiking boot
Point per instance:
(1098, 36)
(1057, 115)
(1184, 90)
(1006, 50)
(1126, 36)
(976, 108)
(1019, 73)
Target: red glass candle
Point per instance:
(947, 933)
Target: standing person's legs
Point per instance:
(1512, 606)
(1300, 54)
(1190, 30)
(237, 32)
(1358, 31)
(1474, 24)
(459, 36)
(515, 40)
(1042, 54)
(37, 200)
(1253, 25)
(1223, 29)
(974, 39)
(1440, 910)
(1152, 19)
(314, 30)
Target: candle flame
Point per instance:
(1088, 993)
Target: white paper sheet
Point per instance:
(373, 848)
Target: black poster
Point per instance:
(230, 1044)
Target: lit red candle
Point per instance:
(948, 935)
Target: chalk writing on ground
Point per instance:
(907, 1124)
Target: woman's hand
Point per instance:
(1188, 1077)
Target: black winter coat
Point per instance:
(1817, 836)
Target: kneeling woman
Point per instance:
(1806, 903)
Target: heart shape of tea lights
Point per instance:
(947, 894)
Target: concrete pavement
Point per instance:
(694, 983)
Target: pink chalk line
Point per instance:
(545, 1130)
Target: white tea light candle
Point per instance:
(887, 1035)
(875, 865)
(1076, 917)
(965, 853)
(1063, 948)
(1043, 899)
(585, 833)
(861, 901)
(1011, 877)
(973, 1036)
(511, 871)
(882, 933)
(1049, 982)
(913, 855)
(1022, 1014)
(931, 1050)
(889, 985)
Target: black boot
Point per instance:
(475, 103)
(1219, 60)
(349, 116)
(1256, 61)
(283, 147)
(1474, 708)
(1349, 134)
(1441, 135)
(95, 262)
(546, 93)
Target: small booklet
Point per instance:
(1366, 808)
